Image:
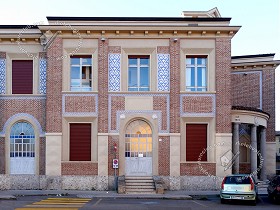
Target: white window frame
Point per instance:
(80, 87)
(138, 66)
(196, 66)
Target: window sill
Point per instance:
(79, 92)
(198, 92)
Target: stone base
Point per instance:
(34, 182)
(194, 183)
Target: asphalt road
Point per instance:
(66, 203)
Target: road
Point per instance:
(67, 203)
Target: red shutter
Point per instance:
(80, 142)
(22, 77)
(196, 141)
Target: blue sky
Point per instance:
(260, 20)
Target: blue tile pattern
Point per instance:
(114, 72)
(2, 76)
(163, 72)
(43, 76)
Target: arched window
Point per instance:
(138, 139)
(22, 140)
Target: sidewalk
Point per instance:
(171, 195)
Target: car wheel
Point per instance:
(254, 202)
(223, 201)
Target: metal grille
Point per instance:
(22, 140)
(138, 139)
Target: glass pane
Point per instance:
(190, 61)
(86, 61)
(75, 72)
(132, 61)
(201, 61)
(144, 61)
(132, 77)
(199, 76)
(75, 61)
(144, 77)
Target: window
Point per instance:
(196, 73)
(196, 142)
(80, 142)
(22, 77)
(81, 73)
(138, 73)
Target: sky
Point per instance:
(260, 19)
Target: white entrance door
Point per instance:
(22, 149)
(138, 149)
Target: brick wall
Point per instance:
(2, 156)
(193, 169)
(223, 85)
(54, 87)
(80, 103)
(79, 168)
(103, 50)
(163, 49)
(174, 86)
(3, 55)
(164, 156)
(117, 104)
(160, 103)
(269, 102)
(197, 104)
(111, 154)
(243, 88)
(34, 107)
(115, 49)
(42, 158)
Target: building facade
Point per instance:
(161, 95)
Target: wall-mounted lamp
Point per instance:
(245, 74)
(103, 39)
(175, 40)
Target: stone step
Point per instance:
(140, 187)
(138, 178)
(140, 184)
(139, 181)
(140, 190)
(154, 192)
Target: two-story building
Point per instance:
(162, 95)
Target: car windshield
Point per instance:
(237, 180)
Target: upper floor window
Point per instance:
(138, 73)
(22, 77)
(81, 73)
(196, 73)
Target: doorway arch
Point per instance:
(138, 149)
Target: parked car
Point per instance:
(273, 189)
(239, 187)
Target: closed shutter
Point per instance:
(22, 76)
(80, 142)
(196, 141)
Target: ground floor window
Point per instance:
(80, 141)
(196, 141)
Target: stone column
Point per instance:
(263, 153)
(235, 148)
(254, 155)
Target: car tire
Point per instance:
(223, 201)
(254, 202)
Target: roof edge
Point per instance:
(253, 56)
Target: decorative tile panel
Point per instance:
(2, 76)
(114, 72)
(206, 103)
(43, 76)
(163, 68)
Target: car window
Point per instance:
(237, 180)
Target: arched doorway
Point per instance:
(22, 149)
(138, 149)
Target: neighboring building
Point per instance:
(161, 95)
(277, 141)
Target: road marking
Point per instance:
(97, 202)
(200, 204)
(57, 204)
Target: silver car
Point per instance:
(239, 187)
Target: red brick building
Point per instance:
(161, 95)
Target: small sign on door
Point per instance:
(115, 163)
